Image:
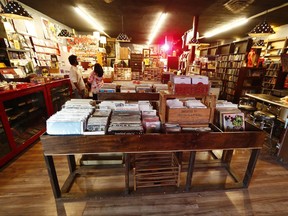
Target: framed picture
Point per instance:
(146, 53)
(46, 28)
(110, 49)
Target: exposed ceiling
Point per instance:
(139, 16)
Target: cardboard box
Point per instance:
(196, 79)
(188, 115)
(191, 89)
(181, 80)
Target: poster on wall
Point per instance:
(20, 26)
(46, 29)
(30, 28)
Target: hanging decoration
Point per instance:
(261, 30)
(13, 10)
(122, 37)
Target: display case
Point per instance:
(247, 80)
(58, 92)
(273, 49)
(5, 148)
(24, 112)
(23, 120)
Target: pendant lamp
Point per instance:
(13, 10)
(122, 37)
(261, 30)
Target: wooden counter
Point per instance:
(269, 99)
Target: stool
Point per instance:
(266, 120)
(247, 105)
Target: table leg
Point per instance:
(71, 163)
(52, 176)
(190, 170)
(127, 170)
(227, 156)
(250, 167)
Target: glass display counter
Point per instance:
(24, 112)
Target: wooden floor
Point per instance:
(25, 190)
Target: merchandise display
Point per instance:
(72, 119)
(163, 113)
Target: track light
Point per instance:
(226, 27)
(157, 26)
(84, 14)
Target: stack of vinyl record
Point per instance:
(125, 122)
(98, 121)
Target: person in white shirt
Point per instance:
(76, 78)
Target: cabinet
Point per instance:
(24, 113)
(246, 80)
(5, 148)
(136, 65)
(124, 53)
(58, 92)
(229, 59)
(270, 78)
(23, 119)
(152, 74)
(227, 69)
(273, 49)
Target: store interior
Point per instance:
(205, 77)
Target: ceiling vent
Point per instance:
(235, 6)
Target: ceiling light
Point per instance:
(157, 27)
(225, 28)
(84, 14)
(261, 30)
(13, 10)
(122, 37)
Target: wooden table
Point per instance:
(184, 142)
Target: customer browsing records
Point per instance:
(96, 80)
(76, 78)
